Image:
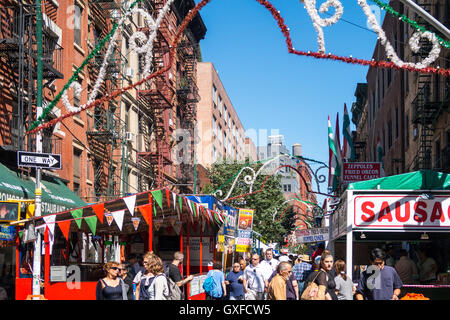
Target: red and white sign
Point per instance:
(360, 171)
(401, 212)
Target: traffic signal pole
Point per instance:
(36, 289)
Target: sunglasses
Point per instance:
(114, 268)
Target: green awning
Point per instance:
(418, 180)
(56, 196)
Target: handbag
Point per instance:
(312, 291)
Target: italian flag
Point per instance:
(348, 151)
(334, 163)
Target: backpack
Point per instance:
(211, 288)
(144, 289)
(175, 292)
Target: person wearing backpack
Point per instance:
(214, 284)
(159, 288)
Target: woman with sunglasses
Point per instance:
(111, 287)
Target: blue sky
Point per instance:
(272, 89)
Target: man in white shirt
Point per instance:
(270, 264)
(256, 281)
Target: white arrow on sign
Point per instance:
(46, 160)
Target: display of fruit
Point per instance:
(414, 296)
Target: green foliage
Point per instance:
(266, 202)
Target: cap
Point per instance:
(284, 259)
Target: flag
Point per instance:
(337, 142)
(348, 152)
(334, 168)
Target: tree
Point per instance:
(268, 203)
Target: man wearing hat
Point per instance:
(301, 270)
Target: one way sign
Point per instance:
(38, 160)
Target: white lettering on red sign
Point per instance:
(401, 212)
(353, 172)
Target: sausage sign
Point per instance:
(400, 211)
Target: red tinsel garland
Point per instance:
(284, 29)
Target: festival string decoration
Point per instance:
(414, 24)
(413, 42)
(74, 77)
(396, 63)
(318, 22)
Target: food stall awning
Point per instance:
(56, 196)
(418, 180)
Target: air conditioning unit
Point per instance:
(129, 136)
(129, 72)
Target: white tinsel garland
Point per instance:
(76, 93)
(413, 42)
(147, 48)
(318, 22)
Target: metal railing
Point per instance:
(9, 23)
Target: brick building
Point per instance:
(116, 148)
(406, 111)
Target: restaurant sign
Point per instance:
(360, 171)
(312, 235)
(400, 211)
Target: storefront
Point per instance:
(79, 241)
(55, 197)
(405, 212)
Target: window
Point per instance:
(77, 165)
(220, 133)
(77, 25)
(407, 131)
(76, 102)
(437, 154)
(214, 93)
(214, 155)
(225, 113)
(220, 104)
(88, 174)
(214, 125)
(127, 116)
(373, 106)
(390, 134)
(396, 123)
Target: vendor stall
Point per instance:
(404, 212)
(79, 241)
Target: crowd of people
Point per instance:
(267, 278)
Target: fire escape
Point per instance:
(106, 130)
(18, 54)
(188, 97)
(427, 105)
(156, 99)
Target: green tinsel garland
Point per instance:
(74, 77)
(413, 23)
